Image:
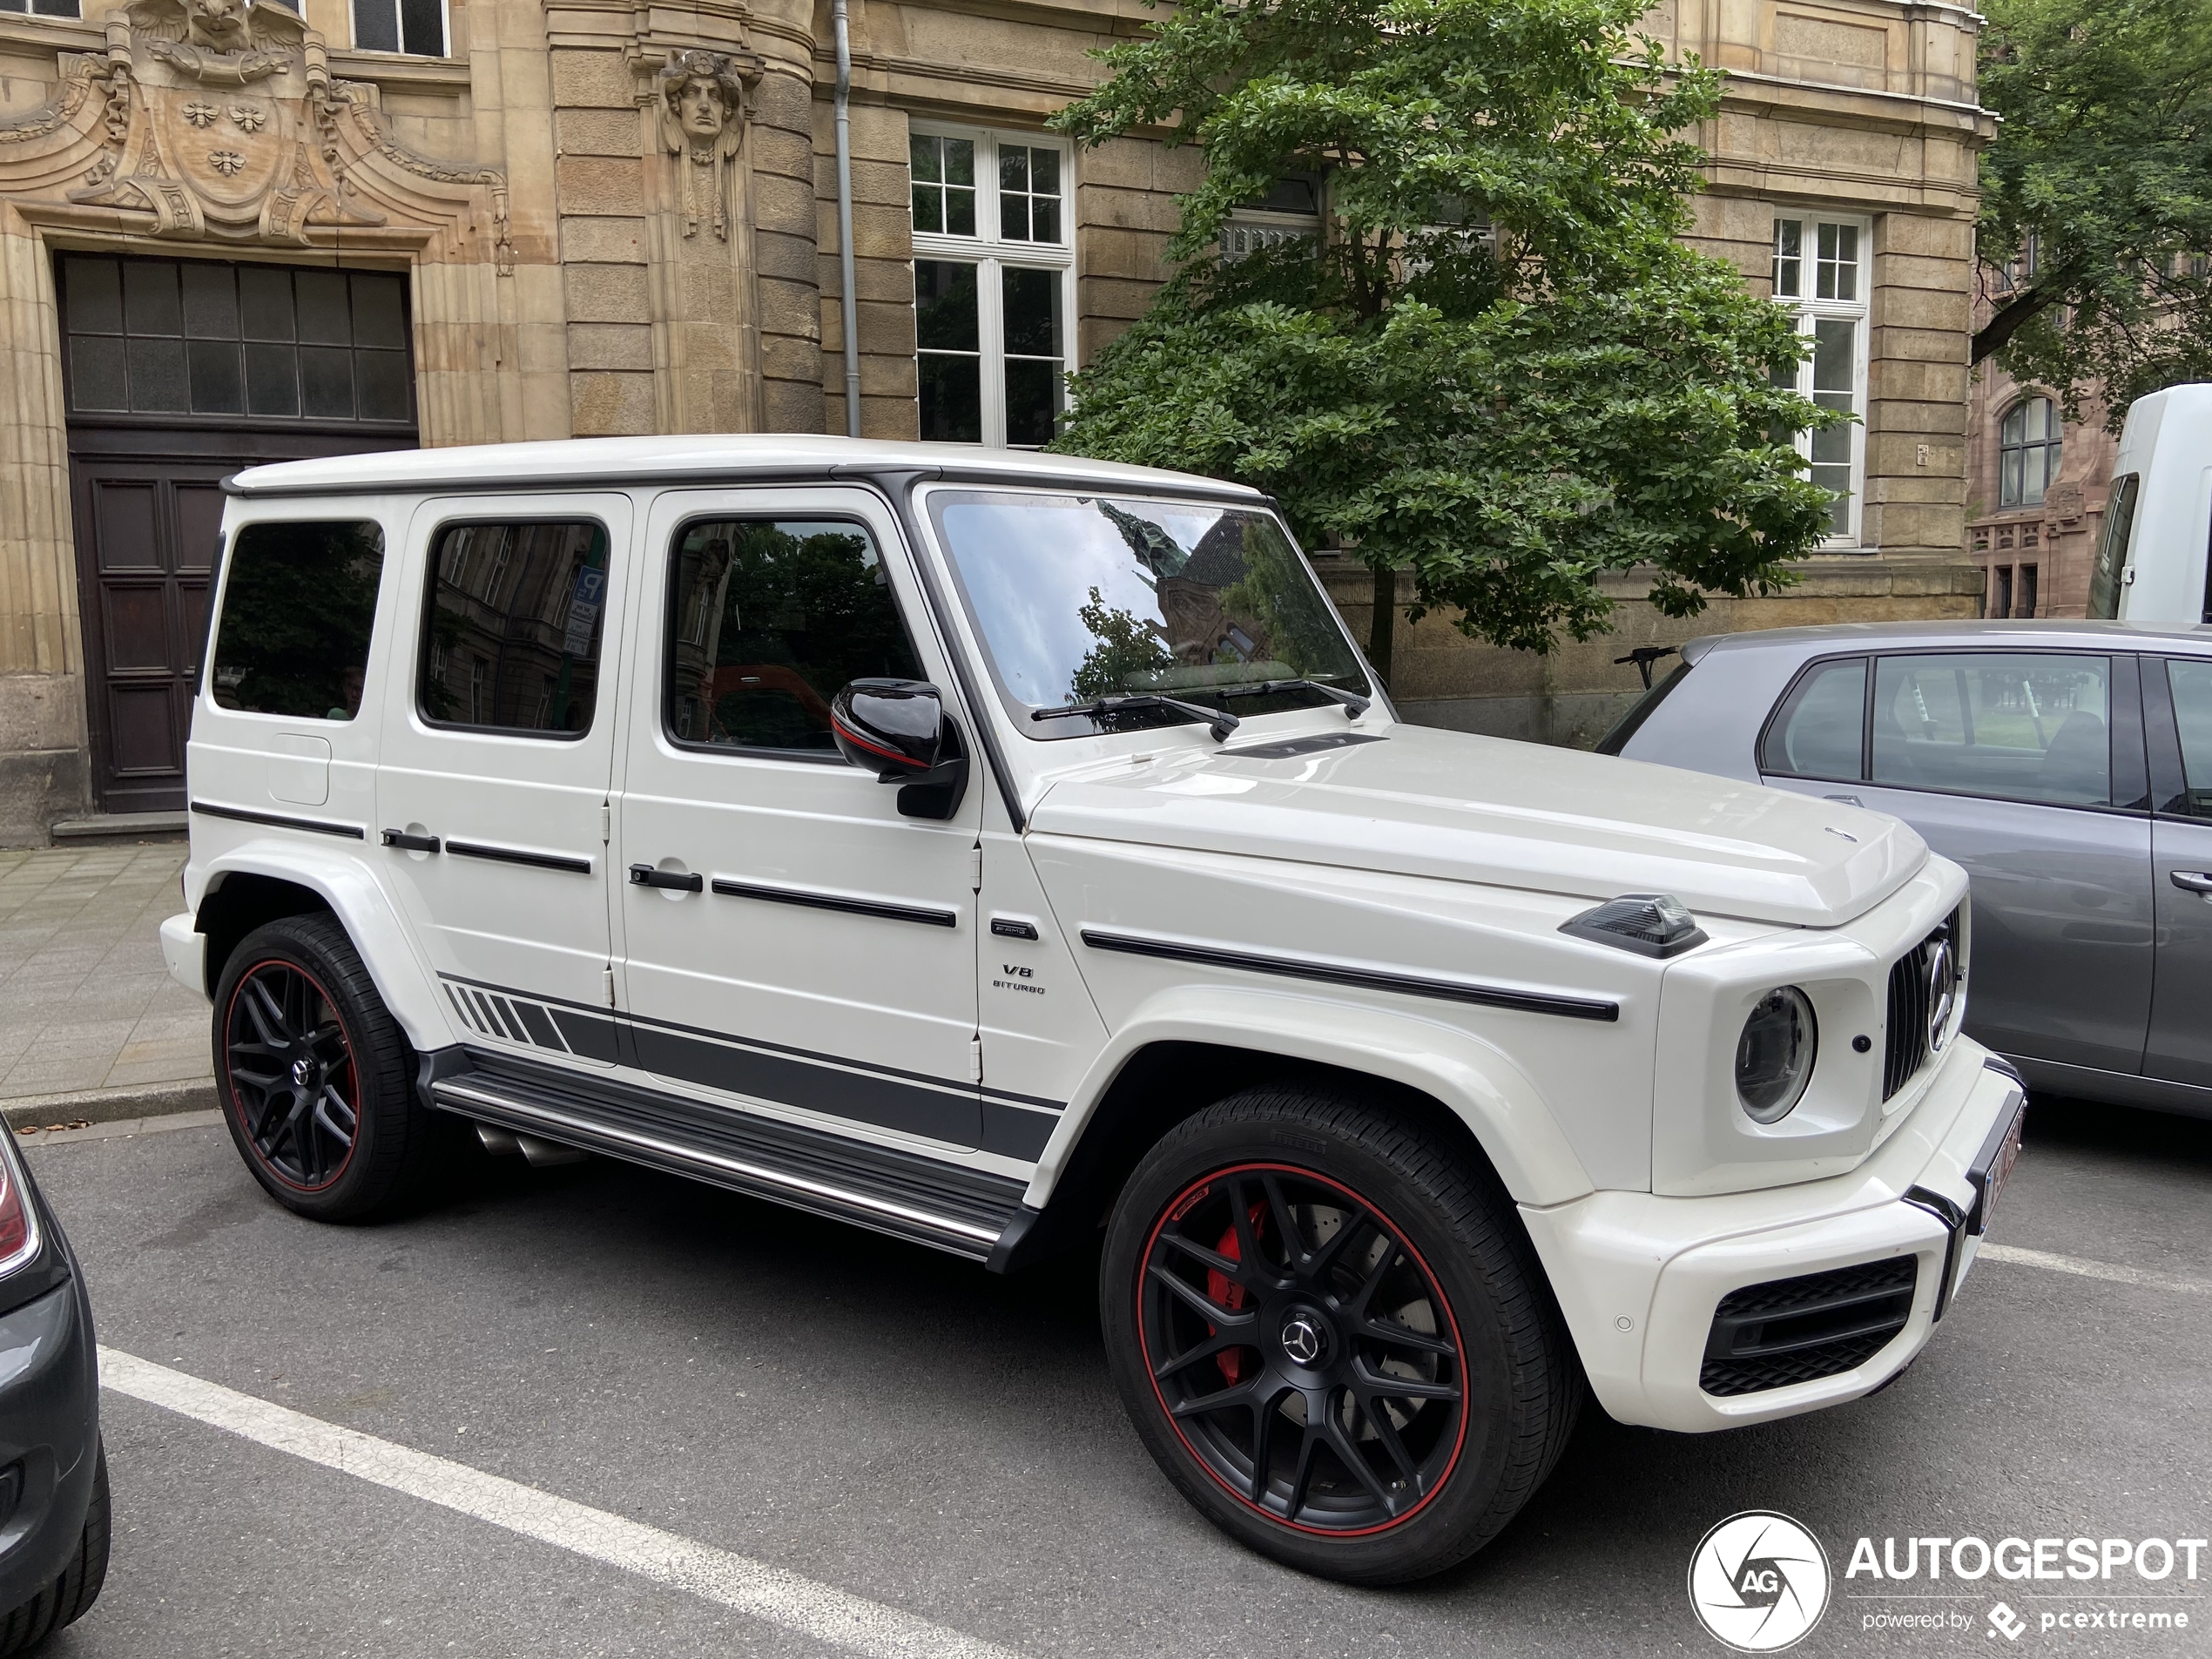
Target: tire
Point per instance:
(315, 1077)
(1397, 1319)
(70, 1595)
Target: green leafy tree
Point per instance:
(2103, 166)
(1498, 368)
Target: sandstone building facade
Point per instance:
(232, 231)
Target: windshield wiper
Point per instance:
(1354, 705)
(1220, 722)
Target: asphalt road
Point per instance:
(906, 1429)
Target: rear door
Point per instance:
(498, 746)
(789, 940)
(2178, 700)
(2025, 767)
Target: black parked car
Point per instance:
(53, 1474)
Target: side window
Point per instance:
(511, 640)
(2191, 683)
(1819, 732)
(2026, 725)
(299, 603)
(768, 619)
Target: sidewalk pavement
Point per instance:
(91, 1026)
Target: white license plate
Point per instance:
(1998, 1169)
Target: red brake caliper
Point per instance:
(1223, 1289)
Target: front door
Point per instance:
(498, 741)
(790, 941)
(178, 374)
(2179, 702)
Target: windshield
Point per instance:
(1078, 598)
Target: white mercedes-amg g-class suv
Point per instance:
(1002, 850)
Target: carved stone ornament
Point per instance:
(217, 121)
(702, 117)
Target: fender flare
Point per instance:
(1474, 1078)
(367, 914)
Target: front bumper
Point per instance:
(184, 950)
(1638, 1277)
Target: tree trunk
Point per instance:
(1385, 626)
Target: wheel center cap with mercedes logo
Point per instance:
(1305, 1338)
(302, 1070)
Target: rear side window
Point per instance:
(512, 639)
(2027, 726)
(298, 606)
(2111, 552)
(2191, 685)
(769, 619)
(1820, 729)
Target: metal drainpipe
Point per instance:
(848, 303)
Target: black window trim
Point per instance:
(2126, 678)
(669, 621)
(430, 603)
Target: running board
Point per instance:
(967, 1212)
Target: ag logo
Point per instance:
(1759, 1581)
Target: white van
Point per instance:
(2156, 551)
(1409, 1081)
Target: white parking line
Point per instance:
(753, 1588)
(2112, 1270)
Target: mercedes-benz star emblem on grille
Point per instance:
(1943, 991)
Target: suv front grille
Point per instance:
(1796, 1329)
(1906, 1045)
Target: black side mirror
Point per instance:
(899, 731)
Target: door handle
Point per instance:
(644, 875)
(410, 843)
(1848, 800)
(2193, 880)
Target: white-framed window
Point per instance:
(416, 27)
(995, 282)
(1822, 273)
(1289, 212)
(2030, 444)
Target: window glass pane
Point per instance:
(960, 212)
(2024, 725)
(770, 620)
(96, 378)
(2015, 425)
(380, 382)
(218, 384)
(2192, 687)
(925, 157)
(952, 398)
(272, 380)
(513, 639)
(1837, 263)
(149, 304)
(1789, 258)
(1033, 357)
(422, 27)
(2112, 551)
(211, 301)
(157, 375)
(945, 314)
(1820, 730)
(376, 25)
(325, 309)
(379, 311)
(93, 289)
(960, 162)
(327, 382)
(265, 299)
(2008, 479)
(298, 600)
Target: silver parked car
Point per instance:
(2067, 765)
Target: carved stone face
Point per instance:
(219, 25)
(700, 110)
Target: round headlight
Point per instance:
(1774, 1056)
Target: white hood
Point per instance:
(1465, 808)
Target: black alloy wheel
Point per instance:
(316, 1078)
(1302, 1350)
(292, 1081)
(1330, 1330)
